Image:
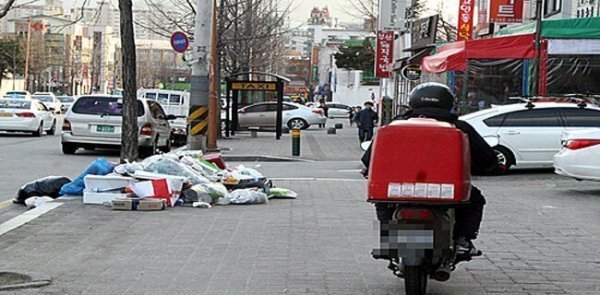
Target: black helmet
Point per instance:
(431, 95)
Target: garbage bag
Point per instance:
(47, 186)
(207, 193)
(98, 167)
(205, 168)
(247, 196)
(35, 202)
(243, 170)
(282, 193)
(128, 168)
(164, 164)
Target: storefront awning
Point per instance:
(454, 56)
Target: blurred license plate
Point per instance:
(105, 128)
(5, 115)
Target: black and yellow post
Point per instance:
(198, 120)
(296, 142)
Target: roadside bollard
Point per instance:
(296, 142)
(339, 126)
(331, 130)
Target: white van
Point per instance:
(176, 103)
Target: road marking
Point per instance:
(350, 171)
(27, 217)
(5, 204)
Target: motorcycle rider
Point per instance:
(435, 101)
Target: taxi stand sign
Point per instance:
(257, 86)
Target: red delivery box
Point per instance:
(420, 160)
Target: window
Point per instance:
(494, 121)
(156, 110)
(581, 117)
(287, 107)
(175, 99)
(533, 118)
(552, 7)
(98, 105)
(42, 107)
(15, 104)
(151, 96)
(163, 98)
(257, 108)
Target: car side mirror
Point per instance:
(170, 117)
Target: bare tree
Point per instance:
(129, 142)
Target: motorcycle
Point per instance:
(418, 242)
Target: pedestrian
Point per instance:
(365, 121)
(351, 115)
(325, 109)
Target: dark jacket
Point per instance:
(366, 119)
(483, 157)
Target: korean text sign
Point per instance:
(465, 19)
(384, 53)
(506, 11)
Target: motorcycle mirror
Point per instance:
(492, 140)
(365, 145)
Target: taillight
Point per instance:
(576, 144)
(26, 115)
(415, 214)
(146, 129)
(66, 125)
(318, 111)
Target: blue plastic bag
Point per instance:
(98, 167)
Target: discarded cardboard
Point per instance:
(103, 198)
(136, 204)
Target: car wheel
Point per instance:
(40, 130)
(505, 157)
(69, 148)
(167, 148)
(52, 130)
(297, 123)
(146, 152)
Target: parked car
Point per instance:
(173, 102)
(50, 100)
(66, 102)
(95, 121)
(18, 94)
(26, 115)
(338, 110)
(529, 135)
(579, 157)
(295, 116)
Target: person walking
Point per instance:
(325, 109)
(351, 115)
(365, 121)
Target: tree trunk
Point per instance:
(129, 134)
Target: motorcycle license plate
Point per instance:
(403, 239)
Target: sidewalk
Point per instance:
(315, 144)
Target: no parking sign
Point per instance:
(180, 42)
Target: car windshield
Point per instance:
(101, 105)
(15, 104)
(43, 98)
(65, 99)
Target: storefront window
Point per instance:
(569, 74)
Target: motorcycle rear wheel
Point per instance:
(415, 280)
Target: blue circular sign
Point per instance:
(180, 42)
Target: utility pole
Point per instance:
(27, 54)
(200, 80)
(538, 39)
(213, 111)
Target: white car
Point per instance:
(295, 116)
(26, 115)
(529, 135)
(49, 99)
(338, 110)
(580, 155)
(95, 121)
(66, 102)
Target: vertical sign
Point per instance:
(384, 53)
(506, 11)
(465, 19)
(391, 15)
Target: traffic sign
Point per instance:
(180, 42)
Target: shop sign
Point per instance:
(411, 72)
(506, 11)
(465, 19)
(384, 55)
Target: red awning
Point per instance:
(452, 57)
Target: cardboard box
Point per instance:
(103, 198)
(136, 204)
(175, 184)
(106, 183)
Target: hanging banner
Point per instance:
(506, 11)
(465, 19)
(391, 15)
(384, 54)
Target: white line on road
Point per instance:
(27, 217)
(5, 204)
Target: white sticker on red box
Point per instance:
(420, 190)
(394, 190)
(408, 189)
(447, 191)
(434, 190)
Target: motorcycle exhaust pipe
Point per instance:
(442, 274)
